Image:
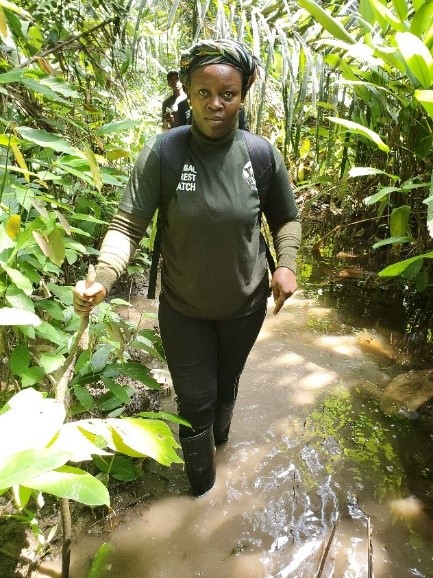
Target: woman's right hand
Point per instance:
(85, 296)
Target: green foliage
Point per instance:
(72, 124)
(383, 66)
(41, 444)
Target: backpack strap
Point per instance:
(174, 145)
(263, 162)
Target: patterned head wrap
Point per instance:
(222, 51)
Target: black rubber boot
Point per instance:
(223, 420)
(199, 457)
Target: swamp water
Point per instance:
(315, 482)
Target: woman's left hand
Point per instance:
(283, 286)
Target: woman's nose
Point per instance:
(215, 102)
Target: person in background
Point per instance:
(175, 107)
(214, 276)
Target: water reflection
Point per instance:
(311, 469)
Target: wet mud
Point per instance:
(314, 482)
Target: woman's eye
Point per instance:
(228, 95)
(202, 92)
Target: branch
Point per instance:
(67, 43)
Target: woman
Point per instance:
(214, 275)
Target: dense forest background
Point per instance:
(345, 92)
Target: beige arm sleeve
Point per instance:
(287, 239)
(118, 247)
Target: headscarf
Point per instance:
(222, 51)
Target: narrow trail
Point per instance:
(310, 470)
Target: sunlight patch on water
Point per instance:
(342, 344)
(409, 508)
(303, 555)
(289, 359)
(317, 380)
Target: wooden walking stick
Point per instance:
(81, 343)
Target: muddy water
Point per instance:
(314, 482)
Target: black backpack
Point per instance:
(174, 146)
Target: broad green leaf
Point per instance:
(88, 219)
(118, 467)
(63, 221)
(392, 241)
(391, 56)
(47, 139)
(383, 13)
(22, 466)
(425, 97)
(8, 139)
(13, 226)
(13, 316)
(399, 221)
(164, 415)
(383, 192)
(140, 373)
(401, 9)
(421, 24)
(20, 280)
(52, 245)
(5, 241)
(398, 268)
(84, 397)
(71, 483)
(15, 297)
(82, 174)
(110, 178)
(117, 389)
(121, 302)
(50, 333)
(413, 270)
(62, 292)
(60, 86)
(22, 496)
(14, 8)
(19, 359)
(29, 421)
(79, 443)
(51, 361)
(94, 167)
(327, 21)
(358, 129)
(366, 171)
(32, 376)
(37, 86)
(3, 25)
(417, 57)
(100, 358)
(100, 562)
(116, 154)
(366, 12)
(56, 246)
(142, 437)
(21, 161)
(146, 345)
(52, 307)
(118, 126)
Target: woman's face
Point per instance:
(215, 95)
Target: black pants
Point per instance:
(205, 360)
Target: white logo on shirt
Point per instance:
(187, 179)
(248, 175)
